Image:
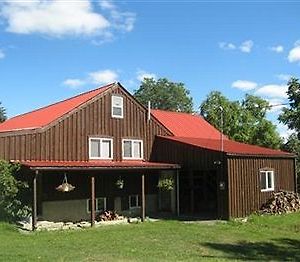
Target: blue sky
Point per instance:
(51, 50)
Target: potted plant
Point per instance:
(166, 184)
(120, 183)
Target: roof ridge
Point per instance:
(61, 101)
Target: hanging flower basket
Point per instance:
(166, 184)
(120, 183)
(65, 186)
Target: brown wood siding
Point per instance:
(192, 158)
(245, 195)
(67, 139)
(187, 156)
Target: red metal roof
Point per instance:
(44, 116)
(230, 147)
(187, 125)
(101, 164)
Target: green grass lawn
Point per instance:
(261, 238)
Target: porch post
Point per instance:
(34, 201)
(92, 201)
(143, 198)
(177, 192)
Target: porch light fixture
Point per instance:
(65, 186)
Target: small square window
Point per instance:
(117, 106)
(134, 201)
(266, 181)
(100, 148)
(132, 149)
(100, 205)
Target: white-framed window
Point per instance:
(100, 148)
(117, 106)
(100, 205)
(132, 149)
(266, 180)
(134, 201)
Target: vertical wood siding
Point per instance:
(245, 195)
(68, 138)
(192, 158)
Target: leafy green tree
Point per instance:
(11, 193)
(2, 114)
(290, 115)
(293, 145)
(165, 95)
(243, 121)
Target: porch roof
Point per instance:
(96, 165)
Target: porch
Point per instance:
(97, 189)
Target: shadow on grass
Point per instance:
(283, 249)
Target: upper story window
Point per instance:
(117, 106)
(100, 148)
(266, 180)
(132, 149)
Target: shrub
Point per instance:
(12, 207)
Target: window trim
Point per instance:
(101, 139)
(121, 107)
(267, 189)
(137, 201)
(96, 204)
(132, 141)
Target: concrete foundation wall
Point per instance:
(76, 210)
(68, 210)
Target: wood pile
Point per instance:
(281, 202)
(108, 216)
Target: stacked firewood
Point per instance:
(281, 202)
(108, 216)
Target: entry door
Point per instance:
(205, 192)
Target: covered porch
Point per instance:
(126, 187)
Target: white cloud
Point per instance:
(54, 18)
(294, 54)
(227, 46)
(276, 105)
(123, 21)
(277, 49)
(2, 54)
(106, 4)
(246, 46)
(65, 18)
(283, 130)
(244, 85)
(74, 82)
(284, 77)
(103, 77)
(272, 91)
(141, 74)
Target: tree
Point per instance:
(243, 121)
(293, 145)
(12, 207)
(290, 116)
(165, 95)
(2, 114)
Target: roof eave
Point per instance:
(261, 155)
